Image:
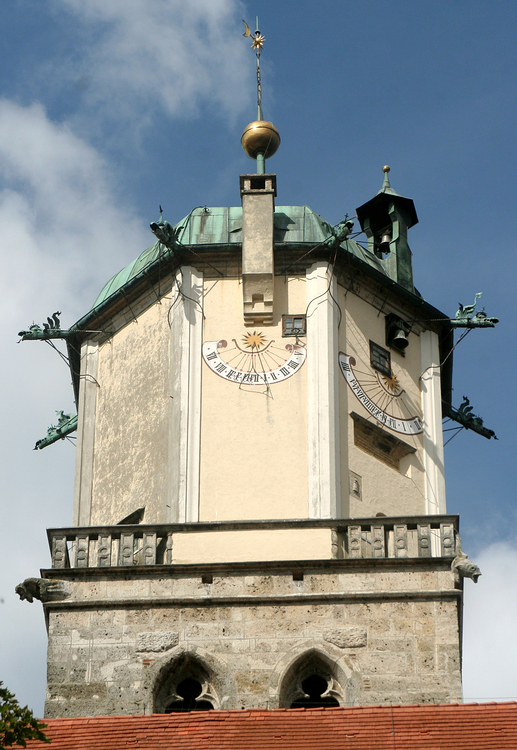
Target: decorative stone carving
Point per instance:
(44, 589)
(349, 638)
(462, 567)
(156, 641)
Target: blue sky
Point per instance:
(108, 109)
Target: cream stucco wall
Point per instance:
(249, 545)
(131, 430)
(253, 437)
(384, 489)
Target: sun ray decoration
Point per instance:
(382, 396)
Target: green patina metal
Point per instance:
(390, 215)
(51, 330)
(465, 418)
(467, 317)
(293, 225)
(66, 424)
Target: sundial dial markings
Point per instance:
(262, 363)
(376, 397)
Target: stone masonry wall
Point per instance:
(387, 635)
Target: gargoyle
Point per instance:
(338, 234)
(465, 317)
(43, 589)
(165, 233)
(51, 330)
(66, 424)
(462, 567)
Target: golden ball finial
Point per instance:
(260, 137)
(386, 169)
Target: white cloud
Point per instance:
(63, 232)
(490, 656)
(172, 53)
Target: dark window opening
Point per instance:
(294, 325)
(380, 359)
(314, 687)
(188, 690)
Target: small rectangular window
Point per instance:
(294, 325)
(380, 359)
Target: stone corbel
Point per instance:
(257, 292)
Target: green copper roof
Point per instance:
(223, 226)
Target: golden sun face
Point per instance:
(391, 382)
(254, 340)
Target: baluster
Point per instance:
(400, 534)
(424, 540)
(149, 548)
(168, 550)
(354, 541)
(448, 541)
(378, 541)
(104, 551)
(126, 549)
(82, 545)
(60, 552)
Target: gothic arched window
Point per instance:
(188, 698)
(312, 682)
(316, 694)
(185, 686)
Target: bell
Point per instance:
(384, 246)
(399, 340)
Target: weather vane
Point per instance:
(257, 44)
(260, 139)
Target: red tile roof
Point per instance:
(471, 726)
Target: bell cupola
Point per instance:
(385, 219)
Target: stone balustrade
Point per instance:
(366, 538)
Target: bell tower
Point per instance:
(259, 512)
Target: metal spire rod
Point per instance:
(257, 44)
(259, 84)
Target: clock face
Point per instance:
(255, 360)
(381, 395)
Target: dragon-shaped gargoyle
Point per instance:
(465, 418)
(466, 317)
(165, 233)
(338, 234)
(66, 423)
(51, 330)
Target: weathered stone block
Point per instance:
(395, 645)
(137, 617)
(157, 641)
(347, 638)
(160, 587)
(164, 617)
(198, 614)
(258, 585)
(201, 631)
(57, 673)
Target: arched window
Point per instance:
(312, 681)
(316, 694)
(186, 685)
(189, 693)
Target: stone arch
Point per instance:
(218, 688)
(315, 658)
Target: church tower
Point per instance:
(259, 511)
